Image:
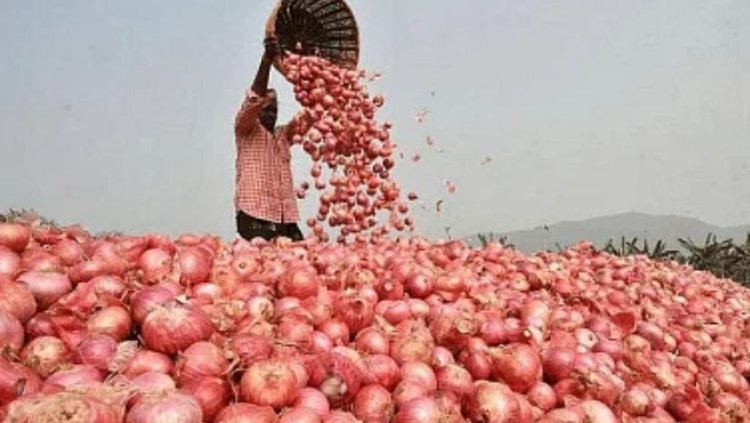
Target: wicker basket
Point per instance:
(325, 28)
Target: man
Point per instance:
(265, 202)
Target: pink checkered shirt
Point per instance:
(264, 186)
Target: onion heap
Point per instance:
(387, 331)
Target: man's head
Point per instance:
(269, 113)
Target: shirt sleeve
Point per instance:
(247, 118)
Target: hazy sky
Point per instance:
(118, 114)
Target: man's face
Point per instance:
(269, 113)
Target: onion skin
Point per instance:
(301, 415)
(148, 361)
(200, 360)
(78, 376)
(314, 400)
(113, 321)
(14, 236)
(519, 366)
(17, 380)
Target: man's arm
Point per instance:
(248, 116)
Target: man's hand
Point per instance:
(272, 49)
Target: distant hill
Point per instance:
(599, 230)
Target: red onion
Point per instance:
(14, 236)
(455, 379)
(11, 332)
(419, 410)
(558, 363)
(251, 348)
(341, 417)
(356, 312)
(10, 264)
(372, 341)
(412, 342)
(155, 264)
(200, 360)
(339, 380)
(321, 343)
(442, 357)
(76, 376)
(45, 355)
(69, 251)
(407, 391)
(207, 293)
(16, 299)
(145, 301)
(542, 396)
(397, 312)
(151, 383)
(300, 282)
(492, 402)
(595, 411)
(38, 260)
(384, 370)
(113, 321)
(419, 285)
(373, 403)
(174, 406)
(46, 287)
(246, 413)
(519, 366)
(148, 361)
(93, 405)
(194, 264)
(337, 330)
(421, 373)
(299, 414)
(174, 327)
(16, 380)
(96, 350)
(269, 382)
(212, 393)
(314, 400)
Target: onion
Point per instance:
(16, 299)
(16, 380)
(384, 370)
(413, 342)
(10, 264)
(595, 411)
(246, 413)
(251, 348)
(337, 330)
(155, 265)
(113, 321)
(419, 410)
(172, 406)
(441, 357)
(339, 380)
(46, 287)
(212, 393)
(11, 332)
(419, 285)
(373, 403)
(14, 236)
(38, 260)
(301, 415)
(96, 350)
(519, 366)
(69, 251)
(78, 376)
(558, 363)
(207, 293)
(314, 400)
(145, 361)
(542, 396)
(194, 264)
(93, 405)
(407, 391)
(420, 373)
(145, 301)
(151, 383)
(455, 379)
(200, 360)
(45, 355)
(300, 282)
(356, 312)
(372, 341)
(174, 327)
(341, 417)
(269, 382)
(492, 402)
(321, 343)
